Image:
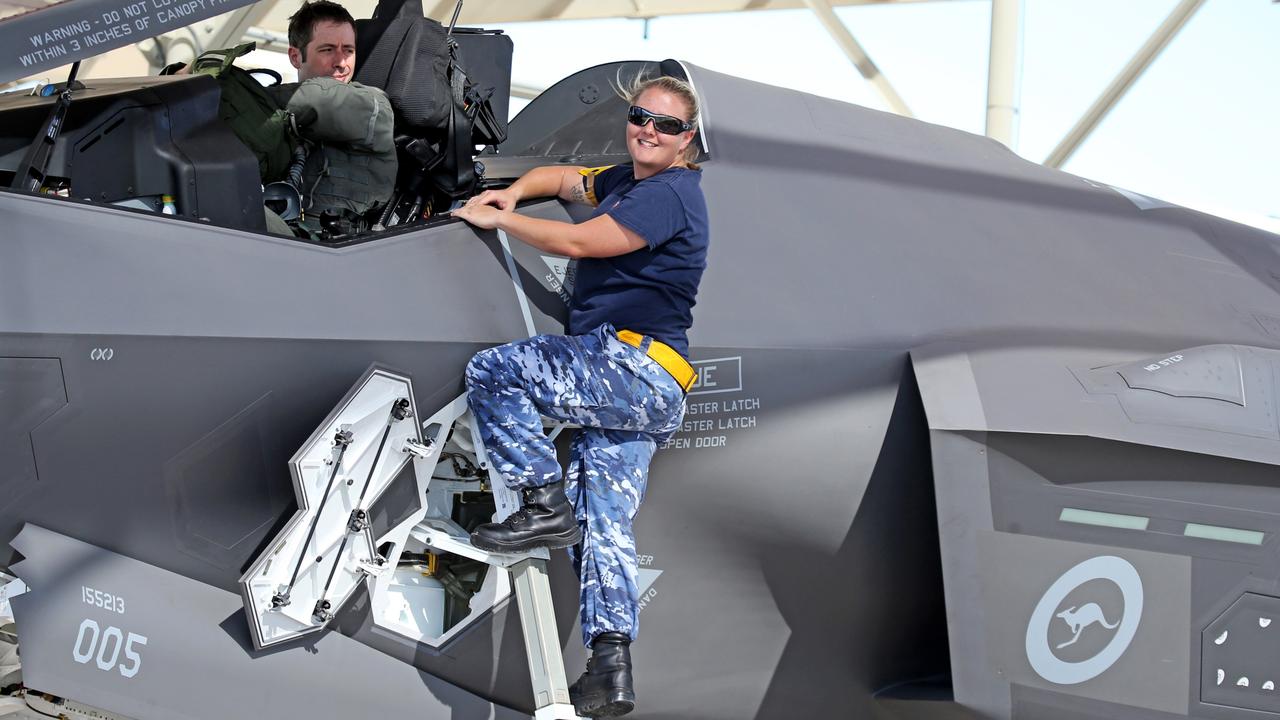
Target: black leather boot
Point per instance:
(545, 520)
(604, 690)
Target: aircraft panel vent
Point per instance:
(228, 469)
(1241, 655)
(31, 391)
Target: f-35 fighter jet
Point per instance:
(971, 437)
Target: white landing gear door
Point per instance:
(315, 564)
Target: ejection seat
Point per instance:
(442, 111)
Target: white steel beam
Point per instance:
(1004, 70)
(1122, 82)
(236, 23)
(268, 39)
(857, 55)
(525, 92)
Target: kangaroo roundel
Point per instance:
(1084, 620)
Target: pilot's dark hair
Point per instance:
(302, 23)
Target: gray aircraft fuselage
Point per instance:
(921, 427)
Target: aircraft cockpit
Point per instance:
(158, 144)
(133, 142)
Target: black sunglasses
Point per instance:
(664, 124)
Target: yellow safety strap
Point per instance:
(670, 360)
(589, 182)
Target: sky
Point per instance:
(1199, 128)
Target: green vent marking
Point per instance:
(1235, 535)
(1103, 519)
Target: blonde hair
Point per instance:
(631, 92)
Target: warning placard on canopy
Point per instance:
(70, 31)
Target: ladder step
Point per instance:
(448, 536)
(533, 598)
(537, 611)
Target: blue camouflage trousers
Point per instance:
(625, 403)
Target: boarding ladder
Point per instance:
(314, 566)
(533, 598)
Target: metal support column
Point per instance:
(1122, 82)
(1004, 70)
(541, 643)
(858, 56)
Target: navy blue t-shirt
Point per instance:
(652, 290)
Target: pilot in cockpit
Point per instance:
(345, 128)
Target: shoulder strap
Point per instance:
(460, 125)
(217, 62)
